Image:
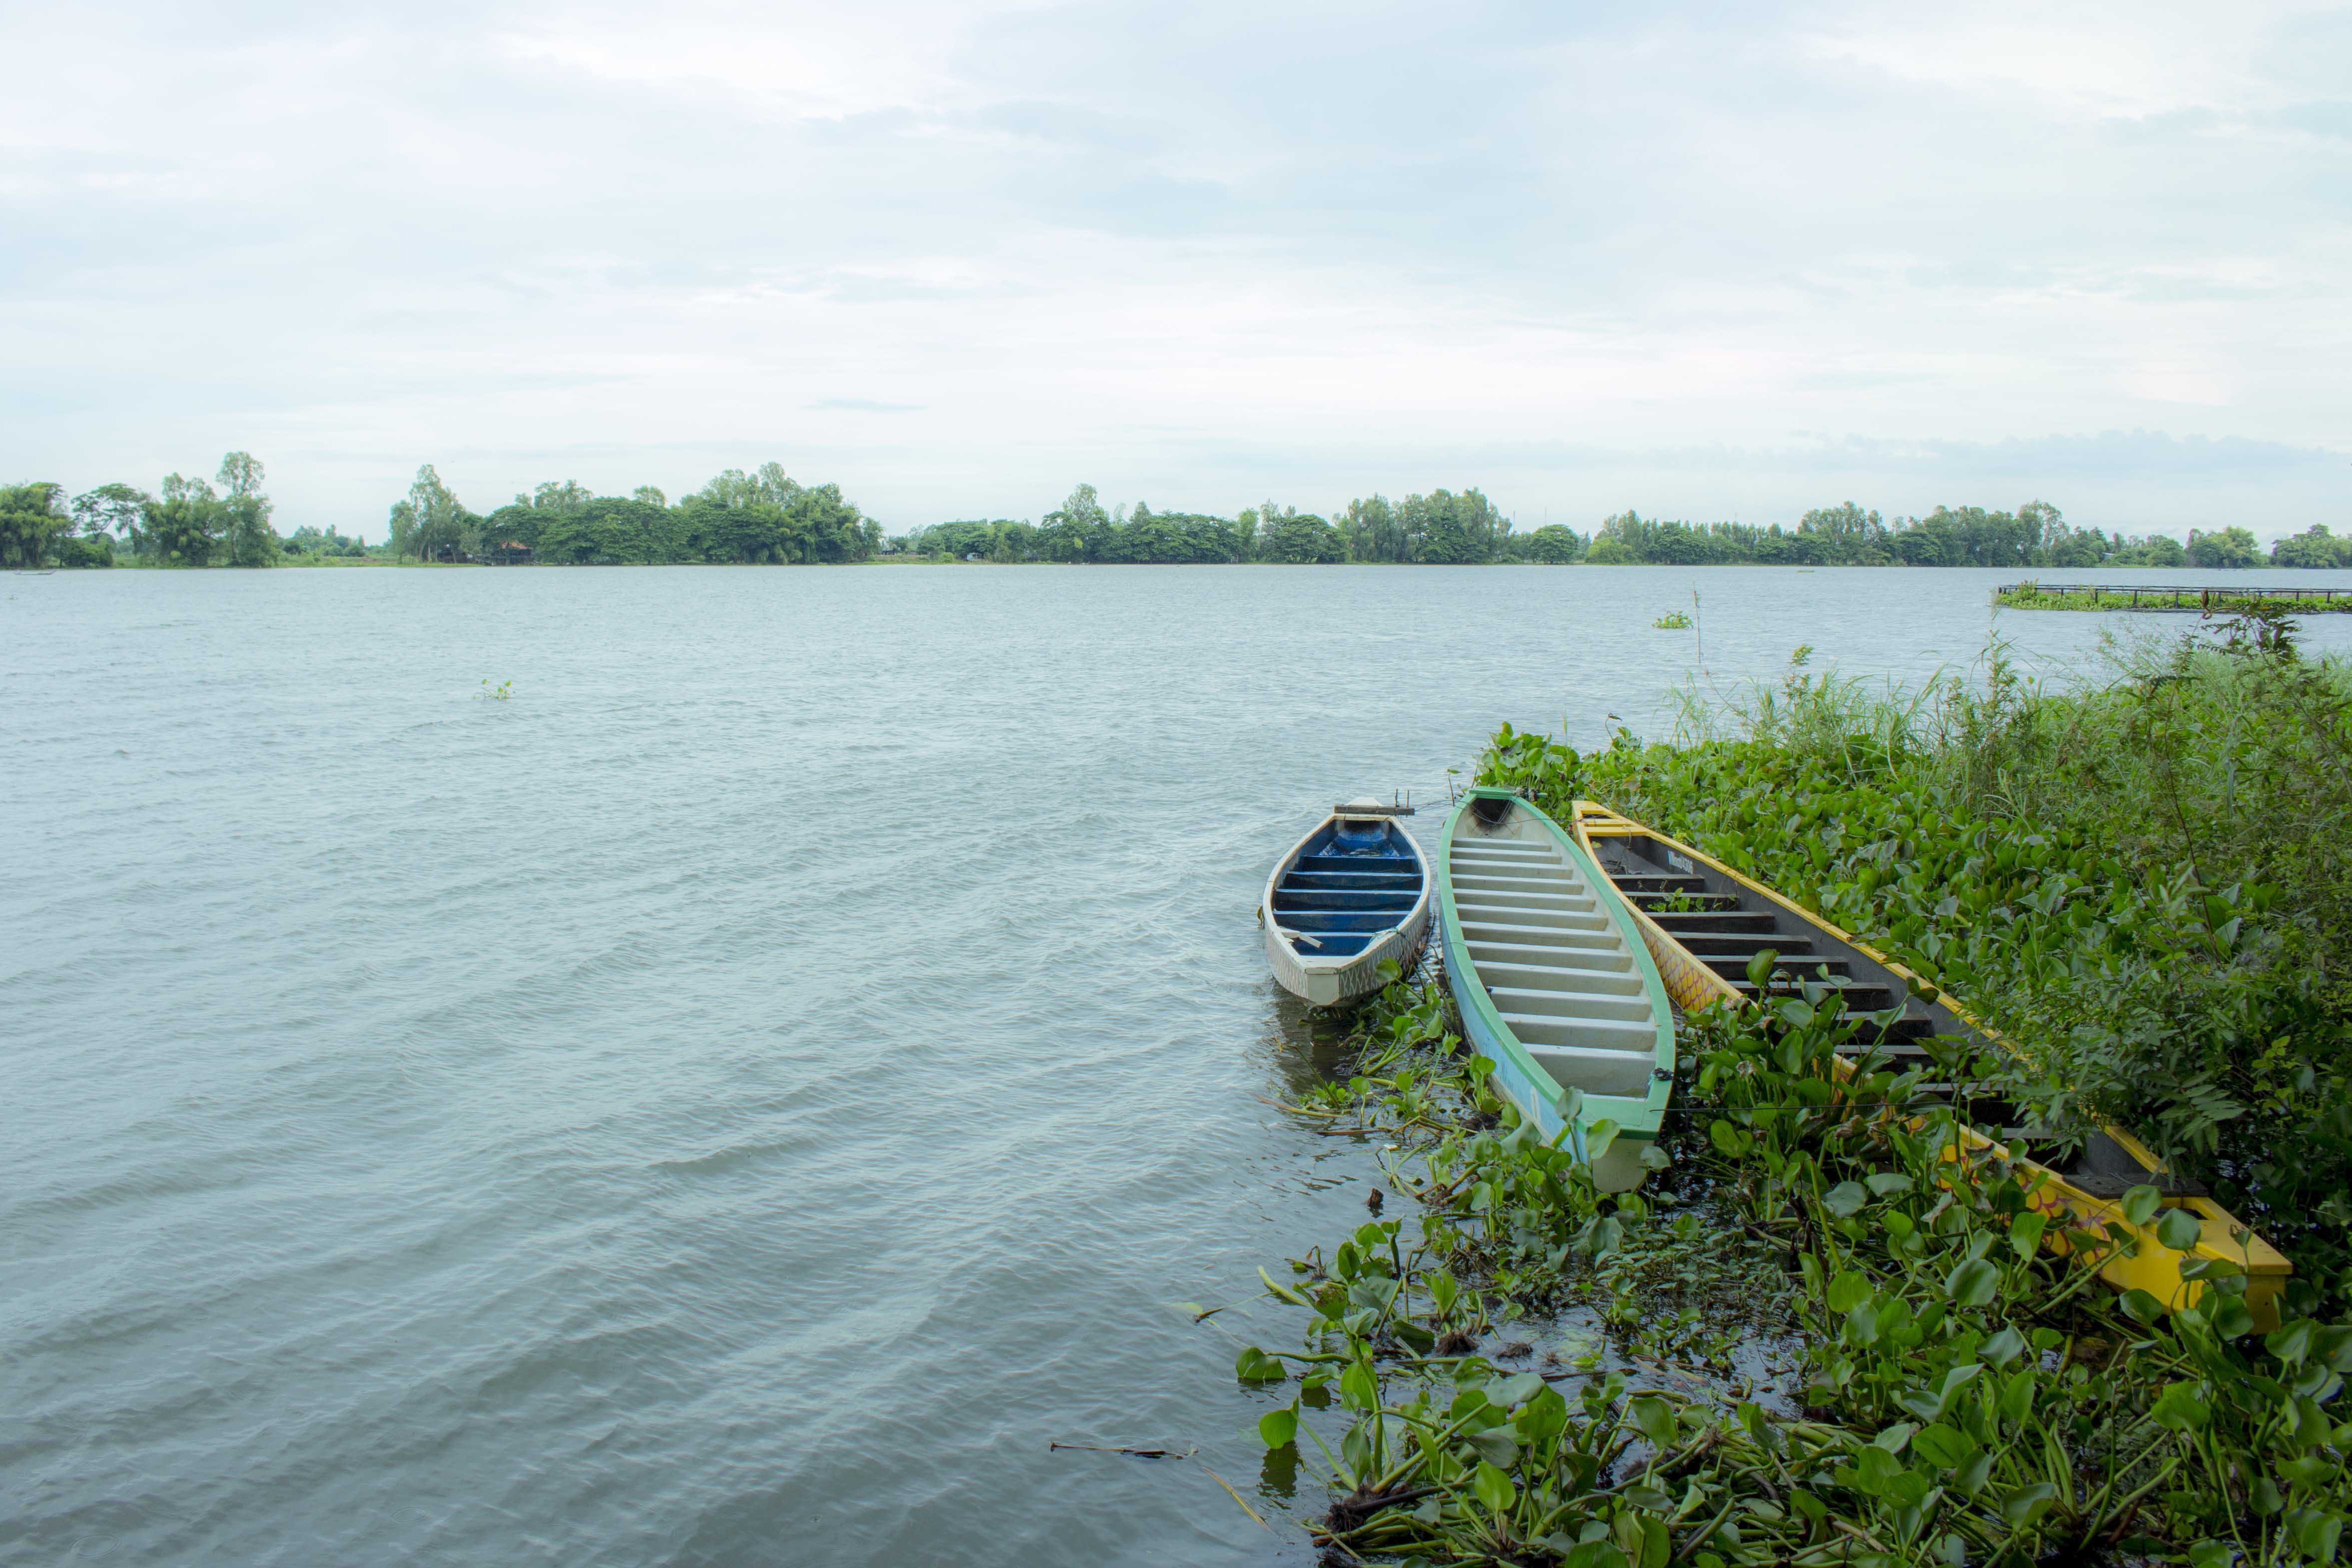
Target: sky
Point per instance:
(1713, 261)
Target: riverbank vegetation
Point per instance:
(187, 523)
(2139, 881)
(766, 516)
(2202, 600)
(1812, 1339)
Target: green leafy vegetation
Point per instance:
(1442, 528)
(2207, 600)
(2141, 882)
(188, 523)
(2035, 534)
(1449, 527)
(761, 517)
(2314, 547)
(1935, 1387)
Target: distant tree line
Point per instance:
(1446, 528)
(2035, 534)
(1440, 527)
(186, 523)
(766, 516)
(2314, 546)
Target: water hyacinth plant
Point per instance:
(2141, 882)
(1955, 1391)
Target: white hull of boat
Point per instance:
(1335, 980)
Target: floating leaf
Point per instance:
(1848, 1291)
(2139, 1204)
(2141, 1307)
(1253, 1366)
(1885, 1184)
(1656, 1417)
(2009, 1345)
(2025, 1232)
(1845, 1198)
(1517, 1390)
(1278, 1428)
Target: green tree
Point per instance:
(1554, 545)
(113, 510)
(1454, 529)
(185, 522)
(33, 522)
(2314, 547)
(431, 520)
(2229, 550)
(1291, 537)
(1374, 531)
(650, 495)
(244, 511)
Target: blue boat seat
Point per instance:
(1348, 888)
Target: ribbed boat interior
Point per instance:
(1725, 926)
(1352, 881)
(1558, 971)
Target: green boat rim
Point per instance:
(1637, 1120)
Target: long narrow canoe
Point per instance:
(1352, 893)
(1553, 983)
(1703, 922)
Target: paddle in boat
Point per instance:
(1554, 984)
(1705, 924)
(1352, 893)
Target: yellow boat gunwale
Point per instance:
(2155, 1268)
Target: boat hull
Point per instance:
(1502, 940)
(2064, 1195)
(1340, 979)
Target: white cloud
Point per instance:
(957, 257)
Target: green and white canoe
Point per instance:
(1554, 984)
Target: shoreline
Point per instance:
(1821, 1326)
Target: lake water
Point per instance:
(741, 1098)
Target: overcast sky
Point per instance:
(1704, 260)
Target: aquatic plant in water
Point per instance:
(2137, 881)
(1961, 1394)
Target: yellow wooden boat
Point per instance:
(1703, 922)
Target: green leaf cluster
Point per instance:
(2136, 880)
